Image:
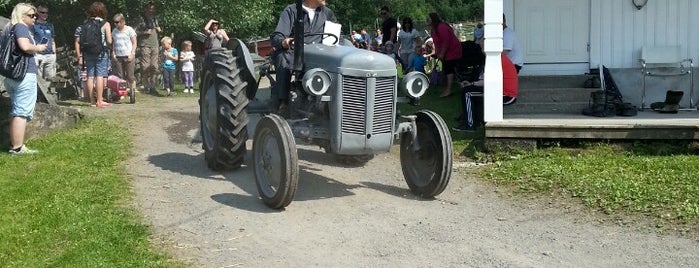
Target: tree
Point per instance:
(247, 19)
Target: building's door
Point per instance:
(553, 31)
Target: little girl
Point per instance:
(170, 56)
(186, 57)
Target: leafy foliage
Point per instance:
(247, 19)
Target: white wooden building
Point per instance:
(573, 36)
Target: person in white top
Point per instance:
(124, 50)
(511, 46)
(407, 37)
(187, 58)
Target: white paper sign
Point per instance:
(333, 28)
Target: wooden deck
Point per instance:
(647, 125)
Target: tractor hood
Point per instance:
(348, 59)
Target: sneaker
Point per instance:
(464, 128)
(23, 150)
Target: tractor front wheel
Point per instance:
(275, 161)
(427, 170)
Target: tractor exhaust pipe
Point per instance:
(298, 37)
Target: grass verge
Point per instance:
(660, 180)
(448, 108)
(656, 181)
(69, 205)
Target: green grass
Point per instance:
(656, 181)
(448, 108)
(659, 180)
(69, 205)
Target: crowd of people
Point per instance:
(103, 47)
(120, 46)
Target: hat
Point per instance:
(388, 43)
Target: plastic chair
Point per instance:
(665, 61)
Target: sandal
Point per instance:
(104, 105)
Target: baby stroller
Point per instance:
(116, 89)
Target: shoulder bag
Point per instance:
(13, 62)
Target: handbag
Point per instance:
(13, 62)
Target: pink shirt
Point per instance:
(444, 38)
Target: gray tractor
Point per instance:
(342, 98)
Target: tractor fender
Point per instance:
(242, 54)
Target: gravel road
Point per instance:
(358, 217)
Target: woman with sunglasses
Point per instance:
(124, 50)
(23, 92)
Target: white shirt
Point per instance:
(407, 41)
(187, 58)
(122, 41)
(311, 12)
(510, 42)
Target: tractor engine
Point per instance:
(345, 101)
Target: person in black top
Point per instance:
(315, 16)
(389, 27)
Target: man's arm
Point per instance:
(507, 42)
(394, 30)
(53, 39)
(281, 35)
(141, 28)
(78, 55)
(331, 15)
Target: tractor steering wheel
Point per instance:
(323, 35)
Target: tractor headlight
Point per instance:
(414, 84)
(316, 82)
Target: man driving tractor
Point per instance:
(315, 16)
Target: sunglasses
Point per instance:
(33, 15)
(383, 13)
(43, 12)
(117, 21)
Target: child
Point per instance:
(187, 56)
(171, 56)
(418, 61)
(391, 53)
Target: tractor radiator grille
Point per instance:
(355, 100)
(383, 105)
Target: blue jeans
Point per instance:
(97, 67)
(23, 95)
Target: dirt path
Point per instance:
(357, 217)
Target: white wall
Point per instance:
(621, 30)
(618, 30)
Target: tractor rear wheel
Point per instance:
(222, 110)
(428, 169)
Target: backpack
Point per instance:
(91, 37)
